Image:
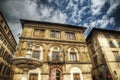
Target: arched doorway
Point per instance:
(55, 74)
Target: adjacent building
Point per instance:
(104, 47)
(62, 49)
(7, 49)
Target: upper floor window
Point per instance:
(107, 35)
(95, 61)
(55, 34)
(39, 33)
(1, 38)
(73, 56)
(111, 44)
(116, 36)
(119, 44)
(55, 55)
(5, 27)
(1, 21)
(70, 35)
(116, 54)
(36, 54)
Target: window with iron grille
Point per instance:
(36, 54)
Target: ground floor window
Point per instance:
(33, 76)
(76, 76)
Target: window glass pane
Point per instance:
(55, 34)
(73, 57)
(116, 36)
(111, 44)
(55, 56)
(39, 33)
(107, 35)
(116, 54)
(119, 44)
(36, 32)
(95, 61)
(36, 54)
(33, 76)
(52, 34)
(70, 36)
(1, 38)
(76, 76)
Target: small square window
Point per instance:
(107, 35)
(117, 56)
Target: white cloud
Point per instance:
(57, 17)
(96, 6)
(28, 9)
(113, 6)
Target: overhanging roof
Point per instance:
(23, 21)
(100, 30)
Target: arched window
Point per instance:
(55, 54)
(73, 54)
(37, 52)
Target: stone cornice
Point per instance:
(52, 40)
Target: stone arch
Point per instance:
(75, 70)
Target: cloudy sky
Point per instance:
(88, 13)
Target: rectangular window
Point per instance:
(76, 76)
(55, 55)
(70, 35)
(36, 54)
(73, 56)
(119, 44)
(111, 44)
(1, 38)
(39, 33)
(116, 54)
(95, 60)
(116, 36)
(107, 35)
(33, 76)
(1, 65)
(55, 34)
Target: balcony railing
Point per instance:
(58, 60)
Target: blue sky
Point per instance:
(87, 13)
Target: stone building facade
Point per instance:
(7, 49)
(62, 49)
(104, 48)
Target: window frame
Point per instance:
(34, 54)
(55, 34)
(116, 55)
(73, 56)
(70, 36)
